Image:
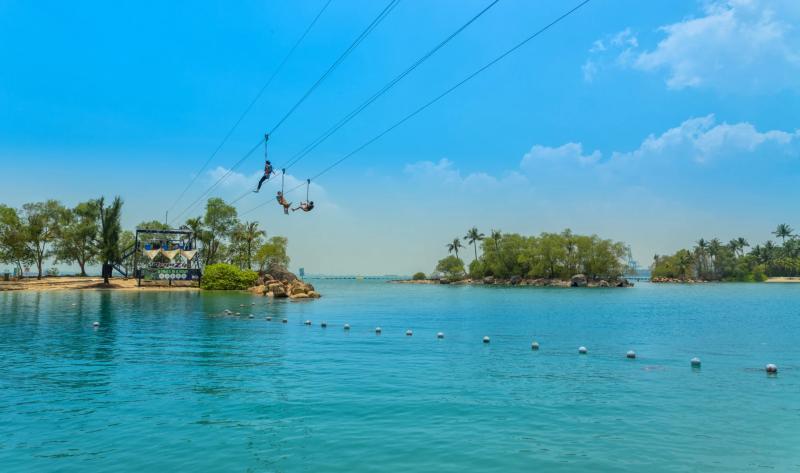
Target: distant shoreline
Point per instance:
(575, 281)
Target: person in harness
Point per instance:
(268, 170)
(282, 200)
(305, 206)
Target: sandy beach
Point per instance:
(784, 279)
(86, 283)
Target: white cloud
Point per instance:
(736, 45)
(703, 140)
(566, 153)
(612, 50)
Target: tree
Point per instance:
(77, 236)
(272, 254)
(451, 266)
(496, 235)
(454, 246)
(41, 222)
(741, 244)
(109, 252)
(783, 232)
(247, 237)
(13, 239)
(473, 237)
(220, 220)
(126, 239)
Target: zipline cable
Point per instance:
(356, 42)
(252, 102)
(438, 97)
(385, 12)
(352, 114)
(344, 120)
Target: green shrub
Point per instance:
(451, 267)
(418, 276)
(227, 277)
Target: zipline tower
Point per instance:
(166, 257)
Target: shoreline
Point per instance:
(88, 283)
(576, 281)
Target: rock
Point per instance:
(282, 275)
(579, 280)
(278, 291)
(515, 280)
(603, 283)
(314, 294)
(302, 295)
(444, 281)
(260, 290)
(488, 280)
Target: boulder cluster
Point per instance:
(578, 280)
(284, 285)
(678, 280)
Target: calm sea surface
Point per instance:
(168, 382)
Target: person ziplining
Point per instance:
(283, 202)
(268, 170)
(306, 205)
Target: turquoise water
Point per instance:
(168, 382)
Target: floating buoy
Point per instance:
(238, 313)
(377, 330)
(251, 316)
(534, 345)
(771, 369)
(308, 322)
(269, 319)
(409, 333)
(285, 321)
(252, 303)
(440, 335)
(631, 354)
(347, 326)
(486, 339)
(228, 312)
(695, 362)
(323, 324)
(96, 324)
(582, 350)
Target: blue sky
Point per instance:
(653, 122)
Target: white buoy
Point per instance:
(409, 333)
(631, 354)
(285, 320)
(582, 350)
(695, 362)
(771, 369)
(323, 324)
(534, 345)
(251, 316)
(377, 330)
(308, 322)
(96, 324)
(347, 326)
(486, 339)
(269, 319)
(238, 313)
(440, 335)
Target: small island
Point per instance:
(548, 260)
(715, 261)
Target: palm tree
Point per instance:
(455, 246)
(473, 237)
(783, 232)
(700, 254)
(251, 233)
(110, 229)
(742, 244)
(496, 235)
